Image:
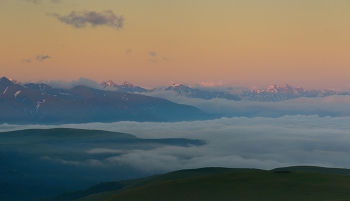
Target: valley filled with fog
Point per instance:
(230, 142)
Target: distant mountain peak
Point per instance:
(285, 88)
(127, 84)
(125, 87)
(14, 81)
(108, 83)
(178, 85)
(5, 81)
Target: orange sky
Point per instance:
(237, 43)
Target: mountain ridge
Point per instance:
(273, 93)
(41, 103)
(279, 181)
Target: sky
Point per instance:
(155, 42)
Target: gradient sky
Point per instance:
(237, 43)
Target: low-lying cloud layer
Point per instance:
(335, 106)
(231, 142)
(67, 85)
(81, 19)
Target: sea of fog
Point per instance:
(259, 142)
(335, 106)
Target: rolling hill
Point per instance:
(36, 163)
(290, 183)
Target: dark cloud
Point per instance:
(153, 54)
(128, 51)
(42, 57)
(33, 1)
(81, 19)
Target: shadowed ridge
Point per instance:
(63, 132)
(236, 184)
(315, 169)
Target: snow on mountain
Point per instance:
(41, 103)
(125, 87)
(17, 93)
(189, 92)
(5, 90)
(108, 83)
(272, 93)
(15, 81)
(284, 92)
(127, 84)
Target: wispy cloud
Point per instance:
(42, 57)
(33, 1)
(28, 61)
(81, 19)
(335, 106)
(55, 1)
(128, 51)
(67, 85)
(212, 83)
(153, 54)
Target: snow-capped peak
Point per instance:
(15, 81)
(108, 83)
(127, 84)
(176, 85)
(272, 88)
(285, 88)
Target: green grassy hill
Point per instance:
(292, 183)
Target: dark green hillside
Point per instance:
(315, 169)
(99, 188)
(183, 174)
(236, 184)
(132, 184)
(244, 186)
(37, 163)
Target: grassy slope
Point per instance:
(245, 186)
(314, 169)
(176, 175)
(303, 183)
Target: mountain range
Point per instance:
(273, 93)
(41, 103)
(180, 89)
(284, 92)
